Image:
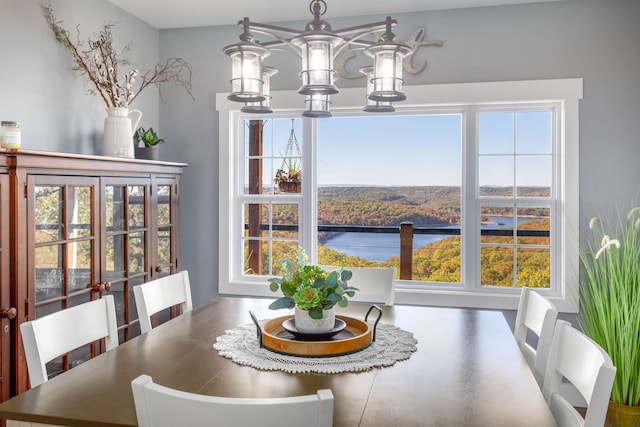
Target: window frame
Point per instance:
(565, 94)
(477, 201)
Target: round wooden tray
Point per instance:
(357, 335)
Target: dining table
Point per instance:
(467, 370)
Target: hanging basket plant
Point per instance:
(289, 176)
(290, 186)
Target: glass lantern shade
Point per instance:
(262, 107)
(372, 106)
(317, 106)
(387, 71)
(317, 63)
(246, 71)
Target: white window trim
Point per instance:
(566, 92)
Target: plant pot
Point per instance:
(305, 324)
(289, 187)
(623, 415)
(148, 153)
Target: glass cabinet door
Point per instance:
(125, 246)
(63, 235)
(164, 226)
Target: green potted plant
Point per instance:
(610, 307)
(147, 144)
(312, 291)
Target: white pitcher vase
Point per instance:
(117, 140)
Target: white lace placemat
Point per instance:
(392, 344)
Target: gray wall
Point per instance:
(595, 40)
(37, 86)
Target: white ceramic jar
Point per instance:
(10, 136)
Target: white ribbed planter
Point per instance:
(307, 325)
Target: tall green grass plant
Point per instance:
(610, 298)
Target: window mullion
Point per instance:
(470, 233)
(309, 216)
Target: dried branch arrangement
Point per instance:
(100, 63)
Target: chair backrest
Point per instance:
(156, 295)
(160, 406)
(53, 335)
(588, 367)
(375, 284)
(538, 315)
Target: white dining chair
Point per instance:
(159, 294)
(588, 367)
(160, 406)
(375, 284)
(538, 315)
(55, 334)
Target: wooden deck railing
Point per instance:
(406, 231)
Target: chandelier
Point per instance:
(317, 47)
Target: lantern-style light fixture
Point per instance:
(246, 67)
(317, 46)
(387, 67)
(317, 106)
(264, 106)
(372, 106)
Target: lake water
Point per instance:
(379, 247)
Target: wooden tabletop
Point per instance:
(467, 371)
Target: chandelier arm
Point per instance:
(374, 26)
(355, 41)
(296, 53)
(279, 41)
(268, 27)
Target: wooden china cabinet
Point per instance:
(80, 227)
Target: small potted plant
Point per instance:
(313, 292)
(289, 177)
(147, 144)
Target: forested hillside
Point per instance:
(388, 206)
(430, 206)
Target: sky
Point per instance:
(396, 150)
(390, 150)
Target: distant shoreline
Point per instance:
(386, 245)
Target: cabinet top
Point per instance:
(54, 160)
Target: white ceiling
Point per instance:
(195, 13)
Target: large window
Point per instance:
(482, 178)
